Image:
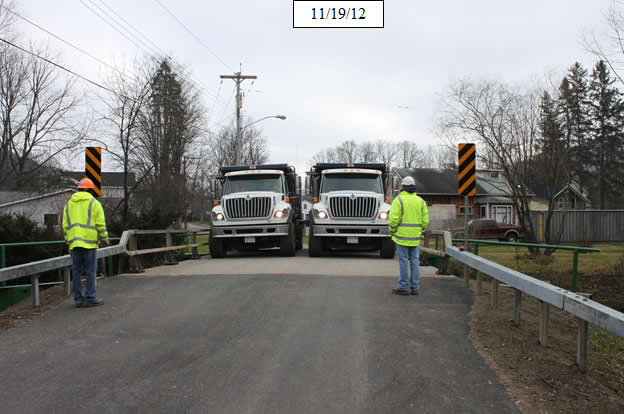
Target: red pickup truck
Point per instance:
(491, 229)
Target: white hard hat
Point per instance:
(408, 181)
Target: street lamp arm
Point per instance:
(282, 117)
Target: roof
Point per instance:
(434, 181)
(576, 189)
(39, 197)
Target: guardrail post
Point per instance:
(135, 266)
(466, 275)
(582, 339)
(169, 255)
(67, 280)
(479, 283)
(517, 307)
(476, 253)
(543, 326)
(194, 248)
(34, 279)
(494, 293)
(574, 269)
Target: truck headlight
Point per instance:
(218, 216)
(320, 214)
(383, 215)
(281, 213)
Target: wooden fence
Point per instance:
(583, 225)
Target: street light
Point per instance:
(282, 117)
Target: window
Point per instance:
(503, 214)
(462, 211)
(483, 210)
(50, 219)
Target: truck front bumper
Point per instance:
(351, 230)
(250, 230)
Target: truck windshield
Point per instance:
(248, 183)
(351, 182)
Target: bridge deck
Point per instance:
(250, 343)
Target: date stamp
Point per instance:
(338, 14)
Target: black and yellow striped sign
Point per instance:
(467, 172)
(93, 167)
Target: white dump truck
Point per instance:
(260, 208)
(350, 211)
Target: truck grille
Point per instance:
(356, 207)
(241, 207)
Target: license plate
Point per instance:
(250, 239)
(352, 240)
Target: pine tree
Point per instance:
(574, 97)
(606, 108)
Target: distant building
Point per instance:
(439, 189)
(46, 209)
(569, 197)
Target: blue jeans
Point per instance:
(83, 259)
(408, 260)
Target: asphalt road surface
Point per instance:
(321, 339)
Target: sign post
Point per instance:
(93, 167)
(466, 185)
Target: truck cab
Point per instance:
(260, 207)
(349, 210)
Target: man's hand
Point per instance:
(105, 243)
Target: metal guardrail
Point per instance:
(127, 245)
(585, 310)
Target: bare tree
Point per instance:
(386, 152)
(347, 151)
(609, 46)
(123, 112)
(366, 152)
(409, 155)
(36, 108)
(253, 147)
(505, 123)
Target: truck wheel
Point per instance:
(315, 245)
(511, 237)
(299, 235)
(217, 248)
(387, 248)
(287, 243)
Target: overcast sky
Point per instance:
(332, 84)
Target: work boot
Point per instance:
(96, 302)
(414, 292)
(402, 292)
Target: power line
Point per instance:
(57, 65)
(192, 34)
(63, 40)
(153, 54)
(134, 29)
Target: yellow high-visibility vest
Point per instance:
(83, 221)
(409, 217)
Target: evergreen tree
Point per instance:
(607, 122)
(574, 106)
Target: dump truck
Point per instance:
(259, 208)
(350, 211)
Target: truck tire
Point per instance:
(511, 237)
(299, 236)
(217, 248)
(288, 243)
(315, 245)
(387, 248)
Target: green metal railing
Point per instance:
(575, 258)
(3, 255)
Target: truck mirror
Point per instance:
(215, 189)
(307, 186)
(395, 186)
(298, 184)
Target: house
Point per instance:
(571, 196)
(439, 189)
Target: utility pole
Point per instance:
(238, 78)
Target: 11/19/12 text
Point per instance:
(333, 13)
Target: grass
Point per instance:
(517, 258)
(608, 348)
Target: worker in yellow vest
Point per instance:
(409, 218)
(84, 225)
